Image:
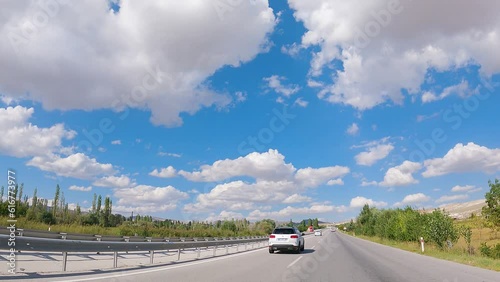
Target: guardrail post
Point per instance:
(65, 254)
(178, 254)
(151, 256)
(20, 232)
(65, 260)
(237, 247)
(115, 259)
(198, 253)
(226, 249)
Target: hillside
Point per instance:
(464, 210)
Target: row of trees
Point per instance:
(58, 212)
(407, 225)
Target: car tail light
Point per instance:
(294, 236)
(272, 236)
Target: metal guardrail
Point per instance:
(81, 243)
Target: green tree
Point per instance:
(440, 228)
(99, 202)
(56, 201)
(94, 202)
(21, 188)
(491, 211)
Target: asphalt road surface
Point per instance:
(331, 257)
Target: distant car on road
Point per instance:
(318, 233)
(286, 239)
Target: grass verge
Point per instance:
(455, 254)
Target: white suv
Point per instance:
(286, 238)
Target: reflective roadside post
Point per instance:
(422, 243)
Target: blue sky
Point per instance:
(230, 109)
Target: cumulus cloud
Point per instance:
(80, 188)
(413, 199)
(462, 159)
(454, 198)
(376, 150)
(167, 172)
(275, 181)
(275, 83)
(359, 202)
(337, 181)
(155, 55)
(290, 212)
(22, 139)
(224, 215)
(296, 198)
(466, 189)
(353, 129)
(75, 165)
(462, 90)
(401, 175)
(266, 166)
(145, 198)
(121, 181)
(301, 103)
(374, 41)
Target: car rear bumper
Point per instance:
(278, 247)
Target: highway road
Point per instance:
(331, 257)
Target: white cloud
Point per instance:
(467, 189)
(76, 165)
(296, 198)
(23, 139)
(166, 73)
(240, 96)
(413, 199)
(291, 49)
(301, 103)
(80, 188)
(165, 154)
(290, 212)
(266, 166)
(359, 202)
(365, 183)
(377, 150)
(337, 181)
(121, 181)
(462, 90)
(313, 177)
(167, 172)
(274, 82)
(401, 175)
(373, 48)
(275, 181)
(224, 215)
(464, 158)
(116, 142)
(353, 129)
(145, 196)
(446, 199)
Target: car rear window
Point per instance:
(283, 231)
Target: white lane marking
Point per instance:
(293, 262)
(313, 247)
(167, 267)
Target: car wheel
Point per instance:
(302, 247)
(271, 251)
(299, 249)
